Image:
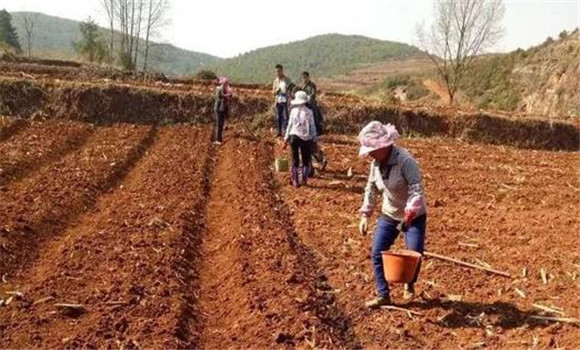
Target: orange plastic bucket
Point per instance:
(400, 266)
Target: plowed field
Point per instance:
(128, 236)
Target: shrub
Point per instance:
(396, 81)
(563, 35)
(205, 74)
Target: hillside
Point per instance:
(54, 37)
(323, 56)
(543, 80)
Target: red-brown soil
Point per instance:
(259, 287)
(39, 144)
(10, 126)
(124, 261)
(168, 242)
(165, 241)
(520, 208)
(42, 204)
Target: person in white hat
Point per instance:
(396, 174)
(300, 134)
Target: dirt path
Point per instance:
(10, 126)
(257, 287)
(437, 89)
(128, 262)
(40, 144)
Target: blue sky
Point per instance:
(229, 27)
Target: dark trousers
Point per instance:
(385, 234)
(220, 118)
(300, 147)
(317, 153)
(317, 117)
(282, 117)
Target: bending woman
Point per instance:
(394, 173)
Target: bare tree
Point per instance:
(138, 32)
(461, 30)
(28, 21)
(131, 18)
(155, 19)
(111, 8)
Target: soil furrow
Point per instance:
(125, 262)
(40, 206)
(40, 144)
(254, 290)
(507, 204)
(11, 126)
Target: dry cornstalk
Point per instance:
(520, 293)
(42, 300)
(482, 263)
(69, 306)
(396, 308)
(556, 319)
(544, 276)
(470, 245)
(466, 264)
(548, 309)
(524, 272)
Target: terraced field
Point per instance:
(135, 231)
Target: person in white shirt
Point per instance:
(281, 89)
(300, 134)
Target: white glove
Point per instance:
(363, 227)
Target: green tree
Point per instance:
(91, 45)
(8, 33)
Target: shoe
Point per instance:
(305, 173)
(295, 177)
(218, 143)
(377, 302)
(409, 291)
(323, 166)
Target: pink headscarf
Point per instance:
(376, 135)
(223, 81)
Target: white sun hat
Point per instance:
(300, 98)
(376, 135)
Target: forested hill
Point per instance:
(54, 36)
(322, 55)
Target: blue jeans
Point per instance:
(282, 117)
(385, 234)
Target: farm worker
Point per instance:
(223, 95)
(396, 174)
(300, 134)
(311, 90)
(281, 90)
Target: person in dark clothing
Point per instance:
(223, 94)
(311, 90)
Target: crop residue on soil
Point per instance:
(136, 236)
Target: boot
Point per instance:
(377, 302)
(305, 174)
(409, 291)
(295, 177)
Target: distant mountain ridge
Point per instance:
(322, 55)
(54, 36)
